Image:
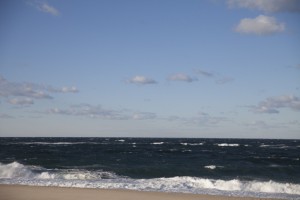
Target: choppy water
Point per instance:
(238, 167)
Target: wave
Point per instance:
(210, 167)
(16, 170)
(191, 144)
(157, 143)
(228, 145)
(277, 146)
(120, 140)
(16, 173)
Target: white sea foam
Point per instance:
(158, 143)
(276, 146)
(16, 170)
(16, 173)
(196, 144)
(210, 167)
(228, 145)
(191, 144)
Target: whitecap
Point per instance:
(228, 145)
(157, 143)
(16, 170)
(210, 167)
(191, 144)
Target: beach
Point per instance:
(18, 192)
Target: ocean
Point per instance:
(232, 167)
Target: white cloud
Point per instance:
(43, 6)
(31, 90)
(261, 25)
(268, 6)
(182, 77)
(23, 93)
(273, 104)
(21, 101)
(141, 80)
(49, 9)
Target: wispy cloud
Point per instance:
(21, 101)
(98, 112)
(294, 122)
(6, 116)
(141, 80)
(201, 119)
(224, 80)
(205, 73)
(261, 25)
(43, 6)
(143, 115)
(219, 79)
(31, 90)
(182, 77)
(24, 93)
(273, 104)
(64, 89)
(269, 6)
(260, 124)
(89, 111)
(296, 66)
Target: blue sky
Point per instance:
(168, 68)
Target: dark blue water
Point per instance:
(109, 162)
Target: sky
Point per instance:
(141, 68)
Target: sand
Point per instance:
(16, 192)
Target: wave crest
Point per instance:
(16, 173)
(16, 170)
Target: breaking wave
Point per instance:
(228, 145)
(210, 167)
(157, 143)
(16, 170)
(191, 144)
(16, 173)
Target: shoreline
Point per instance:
(25, 192)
